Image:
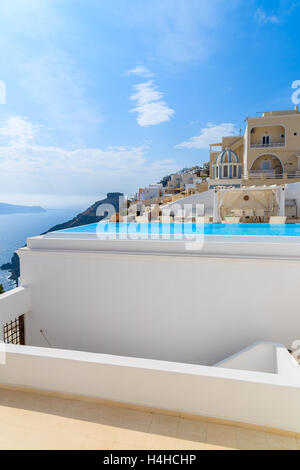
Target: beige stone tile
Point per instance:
(278, 442)
(136, 420)
(49, 440)
(12, 437)
(182, 444)
(121, 446)
(191, 430)
(112, 415)
(164, 425)
(251, 440)
(220, 435)
(217, 447)
(136, 439)
(97, 444)
(31, 421)
(159, 442)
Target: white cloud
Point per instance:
(31, 167)
(150, 107)
(209, 135)
(18, 130)
(140, 71)
(263, 18)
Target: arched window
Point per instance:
(266, 165)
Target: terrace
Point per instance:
(32, 421)
(93, 340)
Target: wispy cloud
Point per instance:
(178, 30)
(262, 17)
(63, 94)
(140, 71)
(33, 167)
(18, 130)
(151, 108)
(209, 135)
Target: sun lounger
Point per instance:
(277, 220)
(231, 220)
(203, 220)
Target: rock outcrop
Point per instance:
(89, 216)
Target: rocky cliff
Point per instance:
(87, 217)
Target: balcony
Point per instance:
(271, 174)
(267, 145)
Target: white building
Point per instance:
(147, 322)
(153, 191)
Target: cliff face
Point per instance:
(87, 217)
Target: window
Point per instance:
(225, 171)
(14, 332)
(234, 172)
(266, 140)
(266, 165)
(217, 172)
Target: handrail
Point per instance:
(267, 175)
(271, 144)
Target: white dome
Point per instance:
(227, 156)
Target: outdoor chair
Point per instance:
(249, 215)
(260, 215)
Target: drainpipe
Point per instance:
(216, 209)
(282, 202)
(245, 156)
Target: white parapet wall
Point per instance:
(270, 400)
(159, 301)
(263, 357)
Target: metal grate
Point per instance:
(14, 332)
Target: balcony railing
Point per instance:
(270, 144)
(255, 174)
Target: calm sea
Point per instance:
(15, 228)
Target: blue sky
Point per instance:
(112, 95)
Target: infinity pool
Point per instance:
(289, 230)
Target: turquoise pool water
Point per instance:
(289, 230)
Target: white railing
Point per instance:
(271, 144)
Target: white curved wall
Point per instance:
(205, 198)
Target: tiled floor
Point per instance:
(30, 421)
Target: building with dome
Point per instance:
(227, 165)
(267, 153)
